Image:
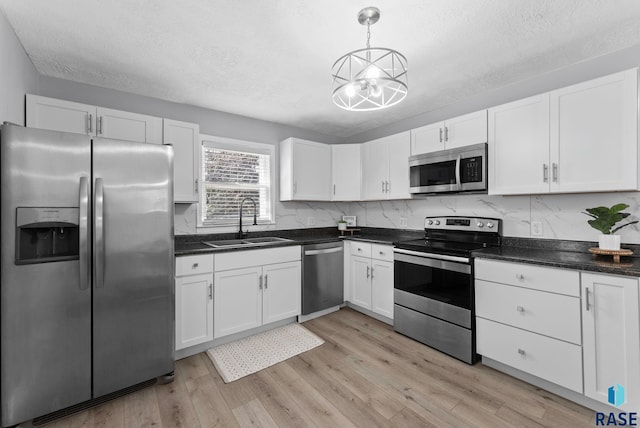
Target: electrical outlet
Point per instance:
(536, 228)
(311, 221)
(403, 222)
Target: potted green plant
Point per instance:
(342, 225)
(604, 220)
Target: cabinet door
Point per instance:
(237, 300)
(399, 148)
(60, 115)
(466, 130)
(519, 147)
(122, 125)
(281, 296)
(185, 139)
(194, 310)
(611, 337)
(375, 169)
(346, 173)
(427, 139)
(594, 144)
(311, 171)
(360, 269)
(382, 288)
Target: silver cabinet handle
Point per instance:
(520, 277)
(98, 227)
(334, 189)
(381, 253)
(295, 187)
(387, 186)
(260, 282)
(90, 123)
(586, 295)
(520, 309)
(210, 291)
(195, 265)
(100, 130)
(382, 186)
(555, 172)
(368, 271)
(371, 273)
(521, 352)
(196, 185)
(265, 281)
(545, 172)
(359, 249)
(446, 133)
(441, 135)
(84, 241)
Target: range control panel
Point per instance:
(471, 224)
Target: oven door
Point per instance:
(440, 286)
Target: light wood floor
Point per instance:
(365, 375)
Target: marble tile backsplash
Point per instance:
(561, 215)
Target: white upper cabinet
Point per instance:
(582, 138)
(457, 132)
(67, 116)
(185, 139)
(385, 167)
(594, 135)
(519, 147)
(305, 170)
(346, 172)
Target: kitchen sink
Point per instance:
(249, 242)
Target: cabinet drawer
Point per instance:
(550, 359)
(551, 314)
(249, 258)
(382, 252)
(361, 249)
(554, 280)
(194, 265)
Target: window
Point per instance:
(231, 171)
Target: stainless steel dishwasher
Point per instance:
(322, 276)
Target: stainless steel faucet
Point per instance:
(241, 234)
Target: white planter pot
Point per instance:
(609, 242)
(342, 226)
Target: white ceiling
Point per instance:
(271, 59)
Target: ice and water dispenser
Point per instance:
(46, 234)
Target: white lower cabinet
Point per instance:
(611, 337)
(371, 277)
(194, 300)
(256, 287)
(528, 317)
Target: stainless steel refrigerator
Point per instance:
(87, 300)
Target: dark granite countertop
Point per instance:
(192, 244)
(562, 254)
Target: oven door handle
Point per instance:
(433, 263)
(432, 255)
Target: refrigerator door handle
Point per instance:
(85, 262)
(98, 227)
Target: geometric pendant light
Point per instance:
(371, 78)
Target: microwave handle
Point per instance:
(458, 166)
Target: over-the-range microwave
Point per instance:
(461, 169)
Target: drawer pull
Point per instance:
(520, 276)
(586, 294)
(359, 249)
(195, 265)
(381, 253)
(521, 352)
(520, 309)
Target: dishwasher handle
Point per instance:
(325, 251)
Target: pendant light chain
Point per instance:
(368, 34)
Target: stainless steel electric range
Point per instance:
(433, 283)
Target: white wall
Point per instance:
(17, 75)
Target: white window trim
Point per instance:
(237, 145)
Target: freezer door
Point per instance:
(45, 304)
(133, 297)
